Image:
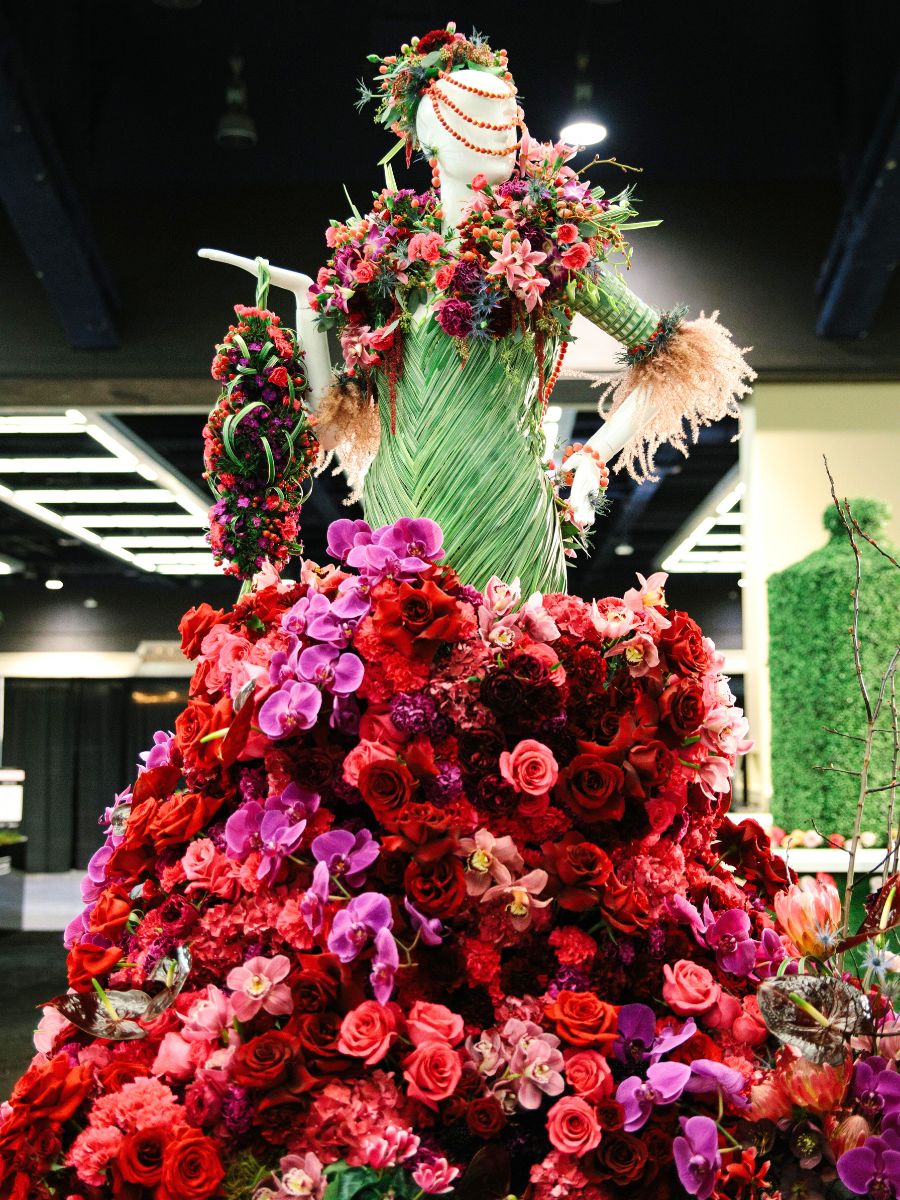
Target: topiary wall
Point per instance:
(813, 681)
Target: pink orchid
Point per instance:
(395, 1145)
(319, 579)
(355, 342)
(209, 1017)
(725, 729)
(530, 291)
(489, 858)
(518, 264)
(258, 985)
(649, 599)
(614, 621)
(641, 654)
(500, 597)
(522, 897)
(435, 1177)
(536, 621)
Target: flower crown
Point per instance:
(404, 78)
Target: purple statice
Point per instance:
(253, 784)
(347, 855)
(568, 979)
(444, 786)
(455, 317)
(237, 1109)
(413, 712)
(354, 926)
(471, 595)
(513, 189)
(216, 834)
(663, 1085)
(697, 1157)
(627, 952)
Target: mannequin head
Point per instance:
(456, 160)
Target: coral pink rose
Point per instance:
(577, 257)
(567, 233)
(723, 1013)
(210, 871)
(178, 1059)
(530, 768)
(364, 272)
(433, 1022)
(572, 1126)
(432, 1072)
(362, 755)
(479, 183)
(689, 988)
(589, 1074)
(368, 1031)
(749, 1027)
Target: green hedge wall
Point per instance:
(813, 681)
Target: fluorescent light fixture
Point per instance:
(34, 424)
(53, 585)
(731, 498)
(9, 566)
(161, 541)
(553, 413)
(75, 416)
(205, 568)
(147, 473)
(97, 496)
(584, 132)
(127, 520)
(711, 542)
(64, 466)
(115, 445)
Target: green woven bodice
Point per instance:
(467, 453)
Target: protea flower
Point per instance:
(810, 915)
(818, 1087)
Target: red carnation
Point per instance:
(434, 39)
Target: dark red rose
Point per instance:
(583, 1019)
(387, 788)
(480, 749)
(681, 704)
(433, 40)
(140, 1156)
(620, 1158)
(87, 961)
(501, 693)
(593, 787)
(653, 762)
(110, 913)
(315, 767)
(118, 1072)
(195, 625)
(192, 1169)
(581, 868)
(610, 1113)
(318, 1035)
(317, 983)
(437, 889)
(745, 845)
(586, 668)
(684, 647)
(264, 1061)
(527, 668)
(485, 1117)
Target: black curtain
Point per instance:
(78, 741)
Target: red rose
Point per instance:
(386, 787)
(653, 762)
(118, 1072)
(195, 625)
(583, 1019)
(580, 866)
(684, 645)
(682, 705)
(278, 377)
(86, 961)
(625, 905)
(318, 1037)
(746, 846)
(485, 1117)
(620, 1158)
(178, 819)
(318, 982)
(577, 256)
(264, 1061)
(110, 913)
(194, 724)
(416, 619)
(191, 1170)
(437, 889)
(567, 233)
(140, 1156)
(49, 1091)
(594, 788)
(432, 1072)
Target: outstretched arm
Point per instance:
(313, 341)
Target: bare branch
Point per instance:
(846, 516)
(884, 554)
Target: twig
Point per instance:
(846, 518)
(887, 787)
(837, 770)
(884, 554)
(893, 850)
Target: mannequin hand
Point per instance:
(585, 483)
(291, 281)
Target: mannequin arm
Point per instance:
(627, 421)
(313, 341)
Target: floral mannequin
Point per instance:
(468, 121)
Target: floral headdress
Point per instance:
(404, 78)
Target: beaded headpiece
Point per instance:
(419, 69)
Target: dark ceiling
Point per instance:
(752, 123)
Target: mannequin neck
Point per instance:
(455, 194)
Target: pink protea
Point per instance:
(810, 915)
(257, 985)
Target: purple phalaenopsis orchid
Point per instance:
(428, 929)
(413, 538)
(729, 935)
(307, 611)
(159, 754)
(637, 1039)
(709, 1076)
(347, 855)
(876, 1089)
(328, 668)
(359, 922)
(384, 966)
(277, 838)
(290, 710)
(295, 802)
(664, 1084)
(697, 1157)
(315, 898)
(242, 830)
(873, 1169)
(344, 534)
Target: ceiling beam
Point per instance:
(866, 244)
(46, 213)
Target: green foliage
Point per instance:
(245, 1174)
(364, 1183)
(813, 681)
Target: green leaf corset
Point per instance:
(467, 453)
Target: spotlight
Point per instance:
(53, 585)
(583, 131)
(90, 602)
(624, 549)
(236, 129)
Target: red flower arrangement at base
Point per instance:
(432, 892)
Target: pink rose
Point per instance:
(433, 1022)
(577, 257)
(364, 272)
(210, 871)
(723, 1013)
(589, 1074)
(479, 183)
(233, 651)
(432, 1072)
(178, 1059)
(689, 988)
(363, 754)
(572, 1126)
(749, 1027)
(530, 768)
(567, 233)
(367, 1031)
